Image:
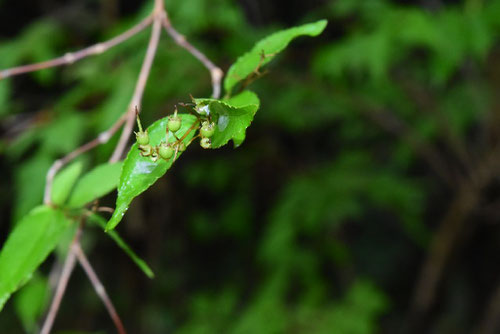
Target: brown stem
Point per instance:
(448, 234)
(71, 57)
(441, 248)
(191, 128)
(98, 287)
(139, 88)
(58, 164)
(69, 265)
(215, 72)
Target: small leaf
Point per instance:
(96, 183)
(27, 246)
(265, 50)
(123, 245)
(139, 173)
(31, 301)
(232, 117)
(64, 182)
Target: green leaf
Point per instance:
(31, 301)
(64, 182)
(96, 183)
(139, 173)
(123, 245)
(265, 50)
(232, 117)
(27, 246)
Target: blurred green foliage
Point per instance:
(318, 222)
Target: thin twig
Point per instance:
(98, 287)
(58, 164)
(71, 57)
(447, 237)
(215, 72)
(139, 89)
(69, 265)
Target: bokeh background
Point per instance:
(364, 199)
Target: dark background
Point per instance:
(374, 155)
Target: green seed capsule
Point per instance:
(174, 122)
(165, 151)
(205, 143)
(142, 138)
(207, 129)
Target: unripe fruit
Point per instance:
(205, 143)
(207, 129)
(174, 123)
(165, 151)
(142, 138)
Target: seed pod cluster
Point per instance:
(207, 130)
(164, 150)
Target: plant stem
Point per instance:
(139, 89)
(69, 265)
(215, 72)
(98, 287)
(71, 57)
(60, 163)
(158, 18)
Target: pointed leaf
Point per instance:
(123, 245)
(96, 183)
(232, 117)
(265, 50)
(27, 246)
(139, 173)
(64, 182)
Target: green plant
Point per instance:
(70, 200)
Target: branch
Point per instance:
(98, 287)
(71, 57)
(69, 265)
(139, 89)
(215, 72)
(58, 164)
(448, 234)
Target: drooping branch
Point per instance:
(98, 287)
(215, 72)
(71, 57)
